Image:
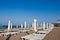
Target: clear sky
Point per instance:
(20, 10)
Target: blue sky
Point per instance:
(20, 10)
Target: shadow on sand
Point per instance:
(8, 37)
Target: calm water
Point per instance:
(1, 27)
(5, 26)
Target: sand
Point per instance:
(53, 35)
(16, 36)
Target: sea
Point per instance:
(5, 26)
